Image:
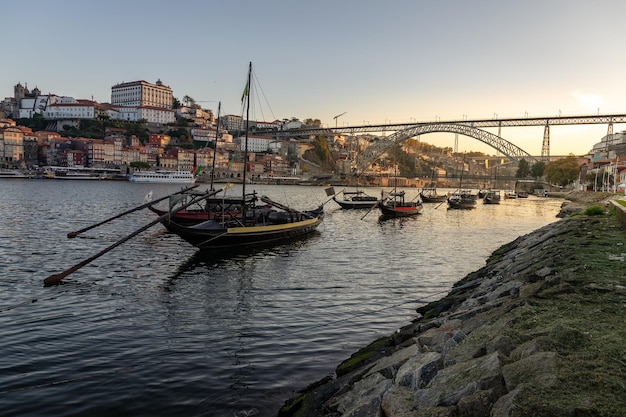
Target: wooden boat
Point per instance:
(394, 205)
(352, 200)
(242, 222)
(462, 200)
(492, 197)
(429, 195)
(258, 225)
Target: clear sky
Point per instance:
(378, 61)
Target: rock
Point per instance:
(389, 365)
(364, 399)
(418, 371)
(505, 404)
(538, 369)
(451, 384)
(398, 402)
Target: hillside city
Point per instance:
(146, 127)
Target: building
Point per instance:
(233, 123)
(142, 94)
(154, 114)
(11, 146)
(610, 146)
(255, 143)
(195, 114)
(83, 109)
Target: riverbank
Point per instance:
(538, 331)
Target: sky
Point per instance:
(396, 61)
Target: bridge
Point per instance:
(471, 128)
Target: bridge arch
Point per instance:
(506, 148)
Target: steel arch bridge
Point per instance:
(509, 150)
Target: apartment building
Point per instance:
(142, 94)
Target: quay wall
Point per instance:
(538, 331)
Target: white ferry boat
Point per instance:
(14, 173)
(177, 177)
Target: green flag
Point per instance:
(246, 91)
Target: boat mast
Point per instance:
(217, 131)
(245, 150)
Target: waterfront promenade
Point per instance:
(538, 331)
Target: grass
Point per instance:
(583, 315)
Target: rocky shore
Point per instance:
(539, 331)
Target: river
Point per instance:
(156, 328)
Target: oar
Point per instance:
(268, 200)
(333, 196)
(56, 278)
(372, 208)
(444, 201)
(150, 203)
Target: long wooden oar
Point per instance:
(143, 206)
(56, 278)
(372, 208)
(267, 200)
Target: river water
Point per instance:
(156, 328)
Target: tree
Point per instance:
(312, 122)
(537, 169)
(562, 171)
(523, 169)
(140, 165)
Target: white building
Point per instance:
(156, 114)
(255, 143)
(128, 114)
(79, 110)
(142, 93)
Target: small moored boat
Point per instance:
(492, 197)
(429, 195)
(394, 205)
(355, 200)
(462, 200)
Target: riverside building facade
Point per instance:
(142, 94)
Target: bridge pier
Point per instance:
(545, 147)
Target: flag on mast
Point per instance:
(246, 91)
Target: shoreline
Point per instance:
(538, 331)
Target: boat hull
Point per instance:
(209, 235)
(393, 211)
(461, 204)
(355, 204)
(432, 199)
(429, 195)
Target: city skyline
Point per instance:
(399, 62)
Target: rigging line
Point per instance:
(260, 87)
